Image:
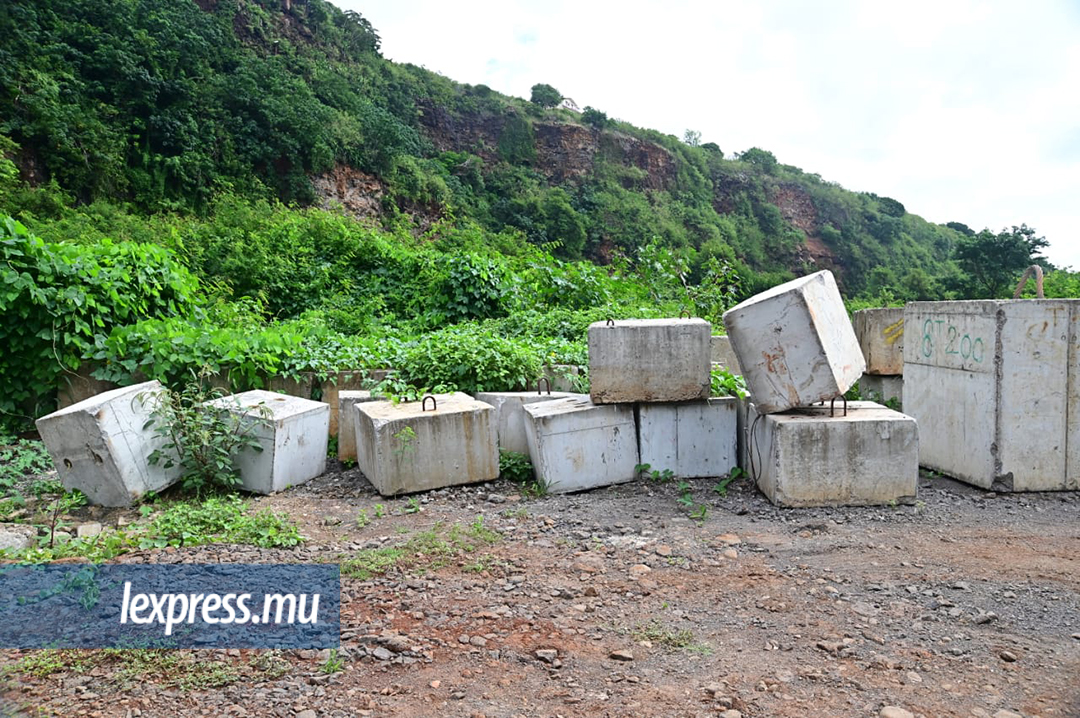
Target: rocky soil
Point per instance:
(615, 603)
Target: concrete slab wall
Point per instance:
(575, 444)
(881, 388)
(402, 449)
(100, 446)
(795, 343)
(881, 338)
(346, 432)
(644, 360)
(809, 458)
(990, 384)
(721, 353)
(694, 439)
(510, 414)
(293, 433)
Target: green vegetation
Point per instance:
(427, 550)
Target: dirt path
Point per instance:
(614, 603)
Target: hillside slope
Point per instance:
(166, 104)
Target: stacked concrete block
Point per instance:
(346, 429)
(292, 433)
(576, 444)
(649, 360)
(995, 387)
(403, 448)
(881, 338)
(510, 414)
(808, 457)
(723, 355)
(100, 445)
(795, 343)
(332, 387)
(694, 439)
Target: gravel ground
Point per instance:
(615, 603)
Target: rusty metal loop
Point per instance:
(684, 313)
(423, 403)
(610, 322)
(1038, 271)
(832, 405)
(546, 381)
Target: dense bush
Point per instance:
(470, 359)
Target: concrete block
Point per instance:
(881, 338)
(510, 416)
(299, 387)
(79, 386)
(331, 388)
(882, 389)
(292, 432)
(575, 444)
(100, 447)
(640, 360)
(743, 410)
(346, 430)
(694, 439)
(795, 343)
(402, 449)
(806, 457)
(721, 353)
(995, 387)
(562, 377)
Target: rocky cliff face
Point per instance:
(359, 194)
(797, 208)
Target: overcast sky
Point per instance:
(962, 110)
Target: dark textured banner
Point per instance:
(173, 606)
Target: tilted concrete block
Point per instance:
(694, 439)
(576, 445)
(881, 338)
(510, 415)
(649, 360)
(292, 432)
(806, 457)
(403, 449)
(721, 353)
(347, 401)
(100, 446)
(995, 387)
(795, 343)
(882, 389)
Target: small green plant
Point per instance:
(379, 510)
(721, 486)
(686, 494)
(724, 383)
(516, 467)
(20, 459)
(333, 664)
(700, 512)
(673, 639)
(362, 519)
(203, 440)
(406, 439)
(412, 506)
(645, 471)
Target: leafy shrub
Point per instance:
(724, 383)
(470, 359)
(474, 288)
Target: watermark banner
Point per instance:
(170, 606)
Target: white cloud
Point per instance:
(964, 110)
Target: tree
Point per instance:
(594, 118)
(713, 148)
(990, 262)
(545, 95)
(761, 158)
(692, 138)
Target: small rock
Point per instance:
(478, 641)
(729, 539)
(663, 550)
(1008, 656)
(435, 684)
(463, 638)
(382, 654)
(730, 553)
(895, 712)
(639, 569)
(914, 677)
(731, 713)
(1007, 714)
(547, 655)
(496, 498)
(621, 655)
(307, 714)
(985, 617)
(88, 530)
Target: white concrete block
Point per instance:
(721, 353)
(882, 389)
(694, 439)
(638, 360)
(510, 416)
(795, 343)
(347, 401)
(575, 444)
(403, 449)
(995, 387)
(881, 338)
(292, 432)
(806, 457)
(100, 447)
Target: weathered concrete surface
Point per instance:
(561, 377)
(346, 433)
(402, 449)
(510, 416)
(694, 439)
(638, 360)
(300, 387)
(575, 444)
(795, 343)
(292, 432)
(995, 387)
(807, 458)
(79, 386)
(881, 338)
(875, 387)
(100, 447)
(720, 352)
(331, 388)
